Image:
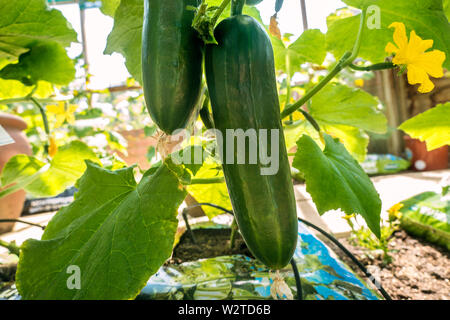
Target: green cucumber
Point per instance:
(252, 2)
(172, 57)
(240, 75)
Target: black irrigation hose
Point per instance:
(351, 256)
(188, 227)
(21, 221)
(298, 282)
(210, 205)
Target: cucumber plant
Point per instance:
(119, 231)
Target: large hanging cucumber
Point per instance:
(171, 62)
(241, 81)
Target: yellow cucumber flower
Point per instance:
(53, 147)
(394, 211)
(62, 114)
(411, 54)
(359, 82)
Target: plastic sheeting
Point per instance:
(427, 215)
(238, 277)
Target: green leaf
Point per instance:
(432, 126)
(354, 140)
(15, 89)
(426, 17)
(309, 47)
(344, 113)
(149, 131)
(216, 193)
(43, 180)
(151, 153)
(117, 238)
(339, 104)
(126, 35)
(44, 61)
(109, 7)
(23, 23)
(336, 181)
(293, 132)
(447, 8)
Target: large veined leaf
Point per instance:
(309, 47)
(44, 61)
(432, 126)
(447, 8)
(355, 140)
(44, 180)
(426, 17)
(293, 132)
(26, 22)
(116, 234)
(336, 181)
(126, 35)
(343, 105)
(16, 89)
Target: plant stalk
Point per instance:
(207, 180)
(345, 61)
(234, 228)
(236, 7)
(374, 67)
(219, 11)
(12, 247)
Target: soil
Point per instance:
(209, 243)
(419, 270)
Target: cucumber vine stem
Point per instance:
(373, 67)
(288, 84)
(219, 11)
(234, 229)
(12, 247)
(204, 21)
(43, 114)
(207, 180)
(30, 98)
(205, 115)
(345, 61)
(236, 7)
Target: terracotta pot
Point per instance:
(11, 206)
(424, 160)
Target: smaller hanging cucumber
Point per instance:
(172, 57)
